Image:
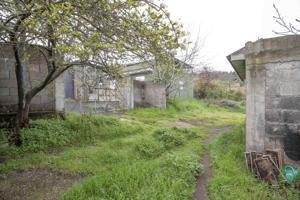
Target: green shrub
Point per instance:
(149, 148)
(46, 134)
(76, 129)
(189, 164)
(187, 133)
(3, 135)
(170, 138)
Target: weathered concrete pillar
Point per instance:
(271, 69)
(126, 93)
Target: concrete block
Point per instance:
(289, 102)
(36, 76)
(36, 100)
(12, 75)
(290, 116)
(273, 115)
(33, 67)
(8, 83)
(272, 102)
(4, 74)
(281, 129)
(276, 129)
(8, 100)
(2, 64)
(4, 91)
(43, 68)
(290, 87)
(13, 91)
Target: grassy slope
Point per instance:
(230, 178)
(135, 157)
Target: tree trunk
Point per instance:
(22, 121)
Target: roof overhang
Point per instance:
(238, 62)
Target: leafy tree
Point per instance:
(96, 33)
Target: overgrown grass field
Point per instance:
(141, 155)
(148, 153)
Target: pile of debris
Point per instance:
(266, 166)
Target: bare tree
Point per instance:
(177, 64)
(204, 82)
(288, 27)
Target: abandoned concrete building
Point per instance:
(271, 70)
(66, 94)
(135, 89)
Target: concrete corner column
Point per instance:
(59, 94)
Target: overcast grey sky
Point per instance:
(227, 25)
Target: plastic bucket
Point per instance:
(290, 173)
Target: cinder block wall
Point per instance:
(184, 90)
(273, 95)
(149, 94)
(36, 70)
(155, 94)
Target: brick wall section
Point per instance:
(36, 70)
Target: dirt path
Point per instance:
(201, 192)
(35, 183)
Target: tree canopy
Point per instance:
(97, 33)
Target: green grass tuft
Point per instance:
(149, 148)
(169, 137)
(231, 180)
